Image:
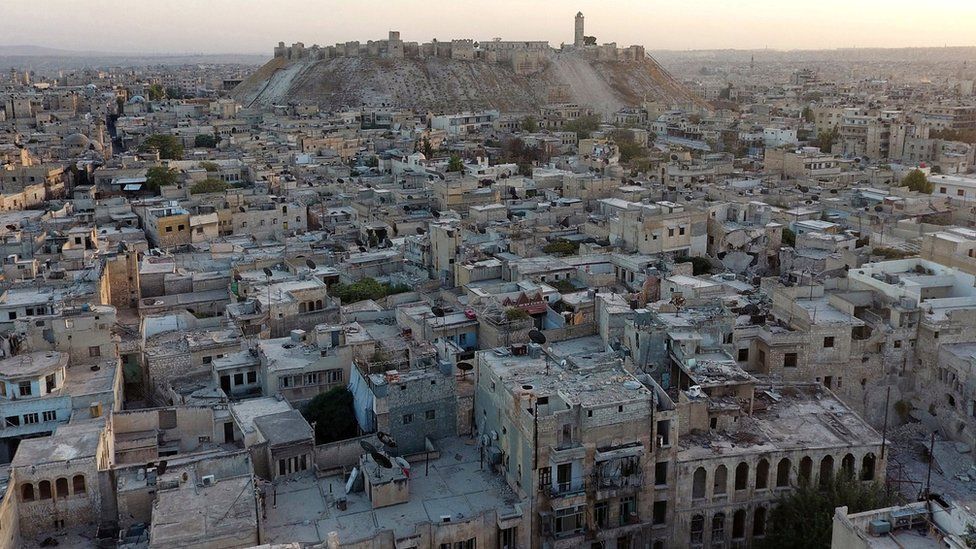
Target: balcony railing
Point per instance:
(567, 488)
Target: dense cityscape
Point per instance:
(472, 293)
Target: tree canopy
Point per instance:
(159, 176)
(455, 164)
(916, 181)
(209, 185)
(332, 415)
(530, 124)
(205, 140)
(169, 147)
(803, 519)
(826, 139)
(366, 288)
(583, 126)
(156, 92)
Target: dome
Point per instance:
(137, 99)
(76, 140)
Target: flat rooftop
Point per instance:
(456, 485)
(785, 417)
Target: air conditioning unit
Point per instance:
(209, 480)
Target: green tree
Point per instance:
(826, 139)
(372, 161)
(210, 166)
(366, 288)
(583, 126)
(916, 181)
(513, 314)
(789, 237)
(807, 114)
(455, 164)
(174, 93)
(156, 92)
(159, 176)
(803, 519)
(427, 148)
(209, 185)
(332, 415)
(530, 124)
(561, 247)
(699, 265)
(628, 147)
(169, 147)
(205, 141)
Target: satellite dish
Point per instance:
(381, 460)
(465, 366)
(420, 230)
(238, 277)
(11, 227)
(535, 336)
(310, 264)
(362, 248)
(241, 208)
(369, 448)
(438, 312)
(268, 273)
(386, 439)
(435, 213)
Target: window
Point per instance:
(718, 529)
(334, 376)
(826, 470)
(94, 351)
(208, 360)
(681, 230)
(762, 474)
(12, 315)
(697, 529)
(789, 360)
(828, 342)
(61, 487)
(430, 414)
(239, 379)
(744, 355)
(506, 538)
(50, 416)
(698, 484)
(44, 489)
(30, 419)
(741, 476)
(720, 483)
(12, 421)
(739, 524)
(628, 510)
(169, 229)
(27, 492)
(407, 419)
(960, 192)
(313, 378)
(252, 377)
(660, 512)
(759, 522)
(897, 344)
(78, 484)
(670, 232)
(545, 476)
(180, 228)
(867, 467)
(601, 514)
(661, 473)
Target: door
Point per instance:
(229, 432)
(225, 384)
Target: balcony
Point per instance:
(567, 488)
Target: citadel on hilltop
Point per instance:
(524, 57)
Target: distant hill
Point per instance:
(41, 57)
(443, 84)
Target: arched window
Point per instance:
(697, 529)
(806, 470)
(44, 489)
(826, 470)
(783, 473)
(741, 476)
(318, 304)
(61, 487)
(301, 307)
(759, 522)
(867, 467)
(739, 524)
(762, 474)
(847, 466)
(27, 492)
(718, 529)
(720, 484)
(698, 486)
(78, 484)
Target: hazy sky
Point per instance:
(254, 26)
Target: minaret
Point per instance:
(578, 42)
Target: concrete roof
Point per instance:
(284, 428)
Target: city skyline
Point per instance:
(247, 27)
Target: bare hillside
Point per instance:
(438, 84)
